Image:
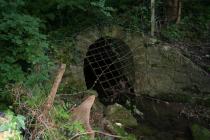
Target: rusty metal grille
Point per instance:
(108, 69)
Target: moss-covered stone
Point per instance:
(121, 132)
(160, 70)
(200, 133)
(118, 114)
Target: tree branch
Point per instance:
(49, 103)
(103, 133)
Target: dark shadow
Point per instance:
(108, 69)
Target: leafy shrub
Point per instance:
(22, 46)
(74, 14)
(172, 33)
(101, 5)
(10, 126)
(194, 25)
(136, 16)
(199, 132)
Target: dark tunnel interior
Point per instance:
(108, 69)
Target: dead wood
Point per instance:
(82, 114)
(43, 117)
(51, 97)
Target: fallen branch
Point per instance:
(99, 132)
(49, 103)
(82, 114)
(38, 119)
(43, 117)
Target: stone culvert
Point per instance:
(119, 63)
(127, 67)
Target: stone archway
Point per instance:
(160, 70)
(161, 73)
(109, 69)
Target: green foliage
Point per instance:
(194, 25)
(67, 47)
(172, 33)
(38, 96)
(25, 51)
(101, 5)
(136, 16)
(75, 128)
(189, 29)
(23, 47)
(75, 14)
(121, 132)
(12, 125)
(60, 114)
(200, 133)
(66, 128)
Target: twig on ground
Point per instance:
(100, 132)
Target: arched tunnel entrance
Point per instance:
(109, 69)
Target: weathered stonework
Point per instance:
(159, 69)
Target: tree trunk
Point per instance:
(179, 12)
(152, 17)
(173, 10)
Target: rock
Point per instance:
(165, 71)
(117, 114)
(161, 70)
(200, 133)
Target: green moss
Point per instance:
(118, 114)
(200, 133)
(121, 132)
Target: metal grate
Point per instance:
(108, 69)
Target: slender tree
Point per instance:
(179, 12)
(152, 17)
